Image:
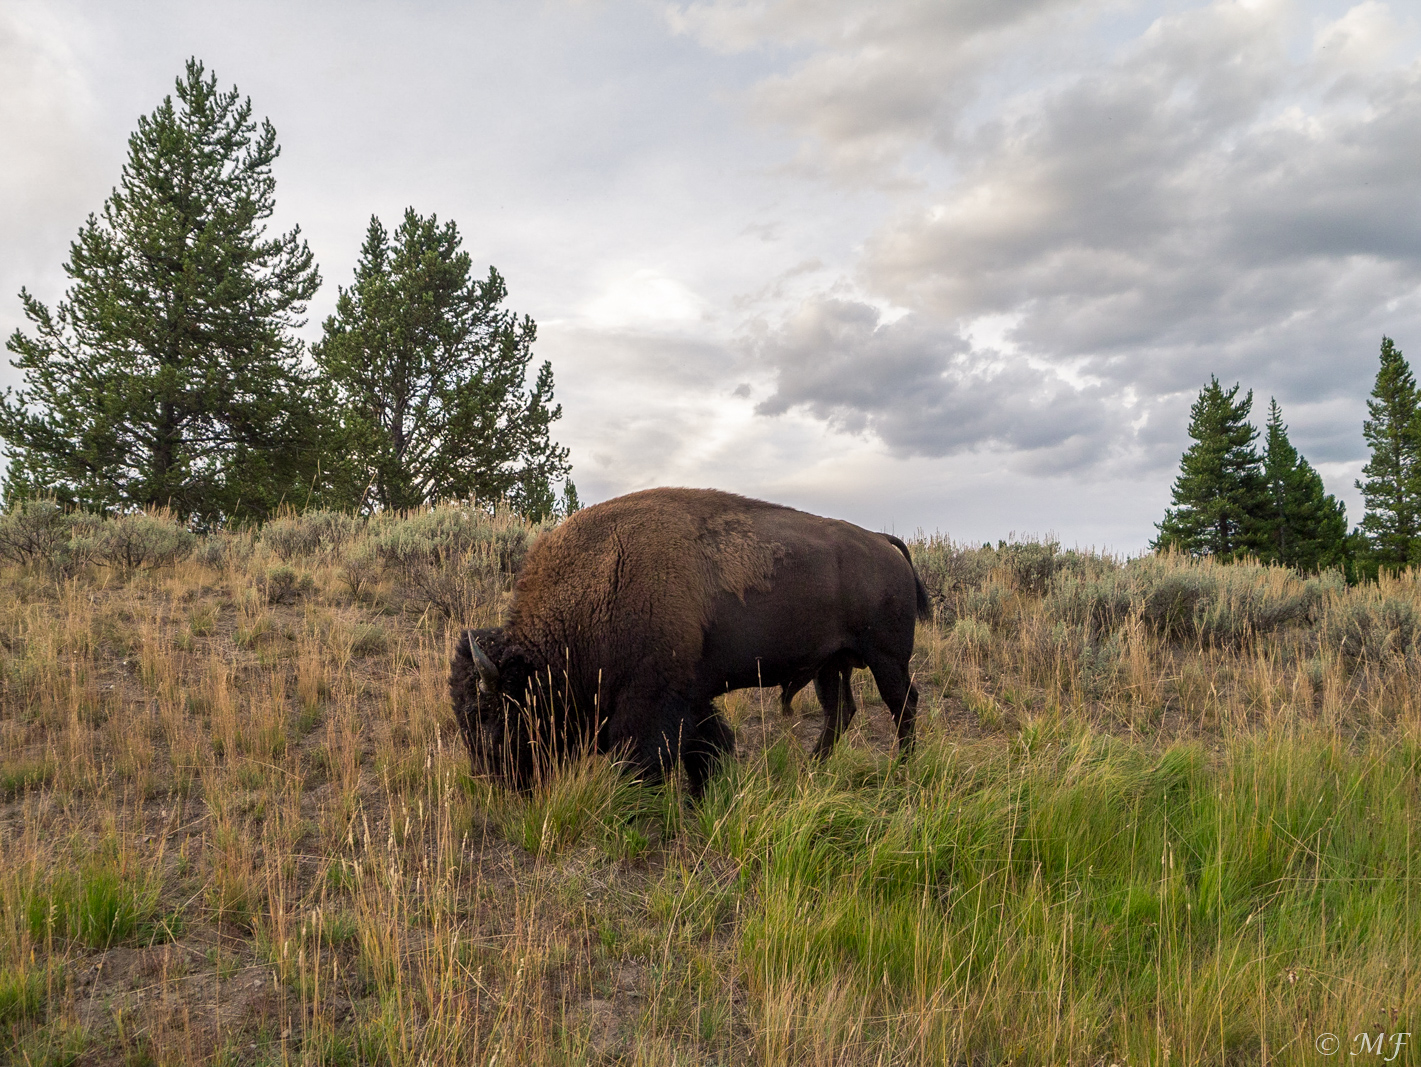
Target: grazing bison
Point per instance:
(631, 617)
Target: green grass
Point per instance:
(591, 802)
(20, 776)
(22, 995)
(1092, 899)
(100, 906)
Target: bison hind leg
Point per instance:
(895, 686)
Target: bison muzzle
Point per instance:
(633, 615)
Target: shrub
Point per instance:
(947, 569)
(450, 558)
(954, 573)
(141, 539)
(221, 550)
(1032, 564)
(360, 567)
(449, 534)
(1180, 598)
(986, 603)
(284, 583)
(308, 533)
(1370, 624)
(40, 533)
(1250, 599)
(971, 635)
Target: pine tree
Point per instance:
(1219, 494)
(170, 373)
(1391, 490)
(430, 374)
(1301, 525)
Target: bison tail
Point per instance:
(925, 607)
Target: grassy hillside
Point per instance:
(1160, 812)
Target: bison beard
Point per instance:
(632, 616)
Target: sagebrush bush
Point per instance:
(449, 558)
(360, 567)
(971, 635)
(1373, 623)
(946, 568)
(223, 549)
(40, 533)
(955, 574)
(142, 539)
(1190, 599)
(450, 534)
(986, 604)
(308, 533)
(285, 584)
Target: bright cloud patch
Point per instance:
(643, 298)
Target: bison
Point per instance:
(633, 615)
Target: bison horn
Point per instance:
(488, 673)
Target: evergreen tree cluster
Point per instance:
(1232, 501)
(171, 374)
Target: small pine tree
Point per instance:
(570, 501)
(1219, 495)
(1390, 488)
(430, 376)
(1301, 525)
(170, 374)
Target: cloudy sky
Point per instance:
(957, 265)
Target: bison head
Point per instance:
(489, 684)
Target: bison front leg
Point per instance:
(702, 754)
(655, 733)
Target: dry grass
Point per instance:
(237, 828)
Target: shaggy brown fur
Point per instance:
(631, 616)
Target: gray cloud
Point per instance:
(48, 179)
(873, 80)
(1206, 199)
(925, 391)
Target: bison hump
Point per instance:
(741, 560)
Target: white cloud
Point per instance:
(48, 176)
(643, 298)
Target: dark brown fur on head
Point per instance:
(492, 721)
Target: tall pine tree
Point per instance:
(1219, 495)
(431, 374)
(170, 374)
(1301, 524)
(1390, 489)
